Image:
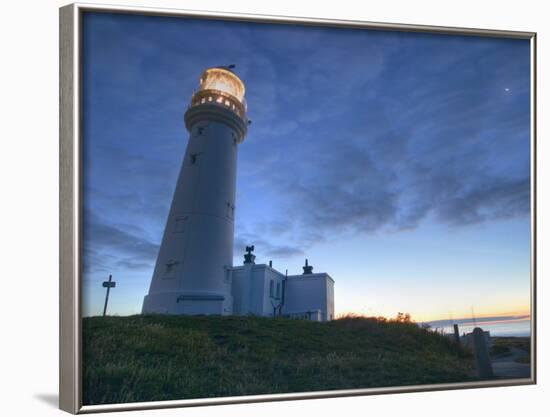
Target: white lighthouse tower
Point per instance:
(193, 270)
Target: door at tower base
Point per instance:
(187, 304)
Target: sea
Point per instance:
(504, 326)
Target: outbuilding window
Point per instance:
(271, 288)
(278, 294)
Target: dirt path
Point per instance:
(504, 366)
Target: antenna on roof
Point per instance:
(473, 316)
(308, 269)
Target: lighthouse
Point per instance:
(192, 274)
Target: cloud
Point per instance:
(134, 264)
(263, 247)
(376, 175)
(111, 237)
(93, 261)
(108, 246)
(500, 199)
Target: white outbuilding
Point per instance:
(261, 290)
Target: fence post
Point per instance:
(481, 352)
(457, 336)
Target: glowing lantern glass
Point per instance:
(221, 79)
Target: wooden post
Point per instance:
(457, 335)
(108, 284)
(481, 352)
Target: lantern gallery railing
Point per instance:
(220, 98)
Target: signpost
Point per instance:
(108, 284)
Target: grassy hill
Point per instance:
(151, 358)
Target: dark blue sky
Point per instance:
(389, 159)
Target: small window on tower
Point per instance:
(230, 210)
(210, 98)
(200, 131)
(180, 224)
(170, 268)
(219, 99)
(193, 158)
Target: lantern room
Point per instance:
(221, 86)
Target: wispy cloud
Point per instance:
(122, 246)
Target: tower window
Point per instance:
(193, 158)
(203, 100)
(210, 98)
(200, 131)
(219, 99)
(230, 210)
(180, 224)
(170, 268)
